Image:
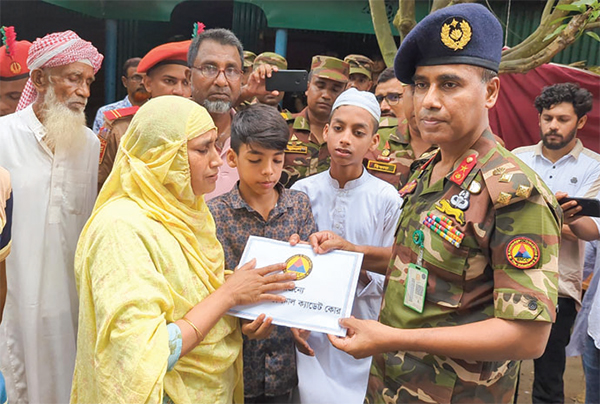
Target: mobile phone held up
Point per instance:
(590, 206)
(287, 80)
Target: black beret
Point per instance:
(461, 34)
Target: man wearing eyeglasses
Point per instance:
(400, 143)
(136, 92)
(216, 59)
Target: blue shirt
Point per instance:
(99, 120)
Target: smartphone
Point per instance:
(590, 206)
(287, 80)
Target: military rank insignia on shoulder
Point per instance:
(295, 146)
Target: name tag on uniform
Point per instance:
(103, 143)
(382, 167)
(296, 149)
(416, 286)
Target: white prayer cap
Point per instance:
(362, 99)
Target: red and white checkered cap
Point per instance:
(57, 49)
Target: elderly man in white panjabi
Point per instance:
(53, 161)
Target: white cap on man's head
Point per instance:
(362, 99)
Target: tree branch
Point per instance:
(405, 19)
(438, 4)
(547, 11)
(545, 55)
(383, 32)
(535, 42)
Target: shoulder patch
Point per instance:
(287, 115)
(522, 253)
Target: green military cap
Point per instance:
(249, 58)
(271, 58)
(331, 68)
(360, 64)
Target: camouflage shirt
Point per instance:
(304, 156)
(509, 208)
(393, 158)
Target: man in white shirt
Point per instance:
(352, 203)
(53, 161)
(568, 169)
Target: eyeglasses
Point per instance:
(391, 98)
(136, 78)
(212, 72)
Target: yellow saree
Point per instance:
(146, 256)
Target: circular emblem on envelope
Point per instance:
(522, 253)
(300, 264)
(456, 33)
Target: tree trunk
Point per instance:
(383, 31)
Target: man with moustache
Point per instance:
(13, 70)
(400, 145)
(53, 161)
(216, 59)
(306, 153)
(136, 92)
(471, 282)
(569, 169)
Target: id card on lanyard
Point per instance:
(416, 280)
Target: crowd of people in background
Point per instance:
(120, 242)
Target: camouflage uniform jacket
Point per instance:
(393, 165)
(304, 156)
(509, 204)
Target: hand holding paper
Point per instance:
(365, 337)
(324, 291)
(250, 285)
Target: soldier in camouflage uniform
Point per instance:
(249, 58)
(400, 145)
(472, 280)
(361, 72)
(306, 153)
(272, 59)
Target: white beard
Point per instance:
(217, 107)
(65, 128)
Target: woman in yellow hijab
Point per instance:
(149, 270)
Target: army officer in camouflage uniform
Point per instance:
(306, 152)
(472, 280)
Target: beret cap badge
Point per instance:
(456, 33)
(15, 68)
